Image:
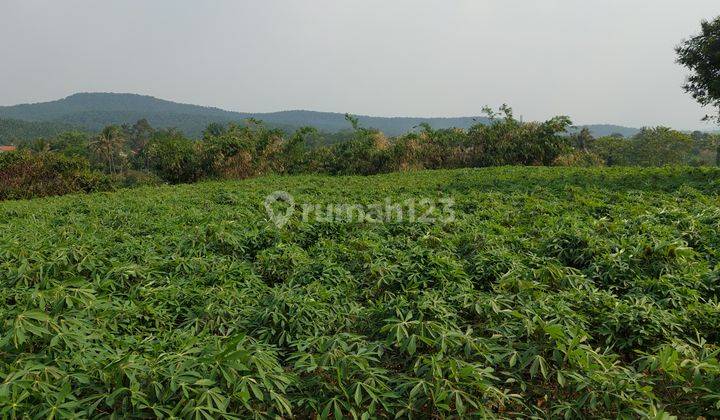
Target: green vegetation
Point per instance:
(548, 290)
(701, 54)
(21, 132)
(26, 175)
(252, 149)
(555, 292)
(656, 147)
(129, 154)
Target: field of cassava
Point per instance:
(554, 292)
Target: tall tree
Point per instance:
(108, 146)
(138, 137)
(701, 54)
(660, 146)
(583, 139)
(140, 134)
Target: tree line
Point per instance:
(138, 154)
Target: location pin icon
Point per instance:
(280, 218)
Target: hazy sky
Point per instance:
(599, 61)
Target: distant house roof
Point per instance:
(7, 148)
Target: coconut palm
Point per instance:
(108, 147)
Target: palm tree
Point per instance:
(108, 145)
(41, 145)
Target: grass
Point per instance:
(555, 292)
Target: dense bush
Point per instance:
(366, 153)
(578, 158)
(556, 292)
(650, 147)
(508, 141)
(173, 157)
(661, 146)
(25, 175)
(242, 151)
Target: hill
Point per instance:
(600, 130)
(93, 111)
(525, 284)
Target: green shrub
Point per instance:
(24, 174)
(578, 158)
(173, 157)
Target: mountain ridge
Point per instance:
(94, 110)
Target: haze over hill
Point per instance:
(93, 111)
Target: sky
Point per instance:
(597, 61)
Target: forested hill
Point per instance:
(93, 111)
(17, 131)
